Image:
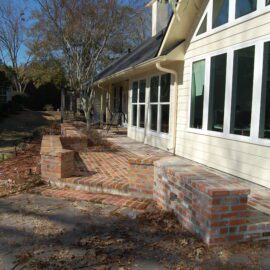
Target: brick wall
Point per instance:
(56, 162)
(210, 205)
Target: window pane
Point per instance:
(220, 12)
(203, 26)
(217, 92)
(165, 86)
(142, 91)
(142, 115)
(165, 113)
(154, 89)
(244, 7)
(265, 108)
(197, 94)
(134, 115)
(153, 117)
(242, 91)
(135, 92)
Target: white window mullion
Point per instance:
(158, 107)
(206, 94)
(257, 91)
(260, 4)
(232, 8)
(228, 93)
(147, 105)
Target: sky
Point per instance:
(31, 5)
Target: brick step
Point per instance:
(258, 231)
(99, 198)
(94, 184)
(258, 225)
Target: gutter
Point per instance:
(175, 99)
(130, 69)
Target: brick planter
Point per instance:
(207, 204)
(56, 162)
(72, 138)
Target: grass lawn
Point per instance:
(16, 128)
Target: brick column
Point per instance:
(211, 205)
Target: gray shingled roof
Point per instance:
(144, 52)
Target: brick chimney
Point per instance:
(160, 16)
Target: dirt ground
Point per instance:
(38, 232)
(22, 168)
(17, 128)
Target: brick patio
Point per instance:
(216, 206)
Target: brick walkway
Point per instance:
(104, 170)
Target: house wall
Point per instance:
(237, 156)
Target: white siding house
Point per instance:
(205, 94)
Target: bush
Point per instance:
(48, 108)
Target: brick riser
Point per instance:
(257, 234)
(99, 198)
(91, 188)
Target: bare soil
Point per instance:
(38, 232)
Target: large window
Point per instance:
(165, 87)
(154, 93)
(138, 103)
(244, 7)
(160, 103)
(242, 91)
(197, 94)
(220, 12)
(265, 104)
(237, 107)
(203, 26)
(217, 92)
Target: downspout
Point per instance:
(175, 99)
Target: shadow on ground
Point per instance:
(37, 232)
(16, 128)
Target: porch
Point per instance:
(217, 207)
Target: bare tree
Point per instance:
(12, 40)
(80, 32)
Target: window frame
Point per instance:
(138, 104)
(134, 103)
(256, 97)
(159, 104)
(147, 128)
(262, 8)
